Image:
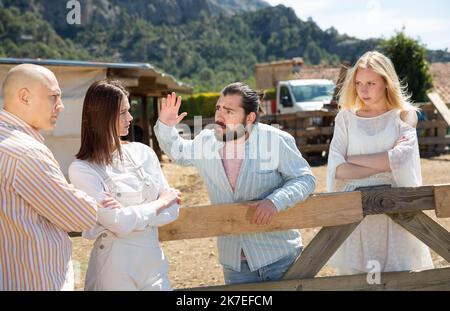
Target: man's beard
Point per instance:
(230, 134)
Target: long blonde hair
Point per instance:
(396, 94)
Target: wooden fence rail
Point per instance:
(404, 205)
(319, 210)
(436, 279)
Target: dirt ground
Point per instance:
(194, 262)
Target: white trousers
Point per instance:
(135, 262)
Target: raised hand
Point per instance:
(169, 110)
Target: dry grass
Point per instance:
(194, 262)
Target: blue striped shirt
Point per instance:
(273, 168)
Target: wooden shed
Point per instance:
(267, 75)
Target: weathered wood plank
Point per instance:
(318, 211)
(427, 230)
(314, 148)
(424, 125)
(427, 280)
(299, 115)
(312, 114)
(442, 200)
(310, 132)
(280, 117)
(440, 106)
(316, 254)
(437, 140)
(314, 131)
(428, 106)
(215, 220)
(384, 199)
(441, 132)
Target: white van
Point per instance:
(303, 95)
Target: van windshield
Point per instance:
(313, 93)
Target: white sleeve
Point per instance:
(338, 151)
(404, 159)
(180, 150)
(169, 214)
(166, 216)
(118, 220)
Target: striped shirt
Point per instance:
(37, 209)
(273, 168)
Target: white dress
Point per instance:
(378, 241)
(126, 254)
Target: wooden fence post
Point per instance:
(316, 254)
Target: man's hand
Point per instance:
(169, 110)
(265, 210)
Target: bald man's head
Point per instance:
(24, 76)
(32, 93)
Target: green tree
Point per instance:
(409, 58)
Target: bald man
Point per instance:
(37, 205)
(32, 93)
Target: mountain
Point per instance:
(231, 7)
(107, 12)
(207, 43)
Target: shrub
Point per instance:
(201, 104)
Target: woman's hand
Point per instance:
(110, 202)
(400, 140)
(168, 197)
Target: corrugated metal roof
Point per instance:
(76, 63)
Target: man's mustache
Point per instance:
(221, 124)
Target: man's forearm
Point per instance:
(293, 191)
(173, 145)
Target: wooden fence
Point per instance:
(433, 131)
(338, 214)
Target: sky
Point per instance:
(428, 21)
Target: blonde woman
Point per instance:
(375, 143)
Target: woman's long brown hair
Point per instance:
(101, 110)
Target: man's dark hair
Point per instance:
(251, 99)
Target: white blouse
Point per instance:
(134, 215)
(354, 135)
(377, 238)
